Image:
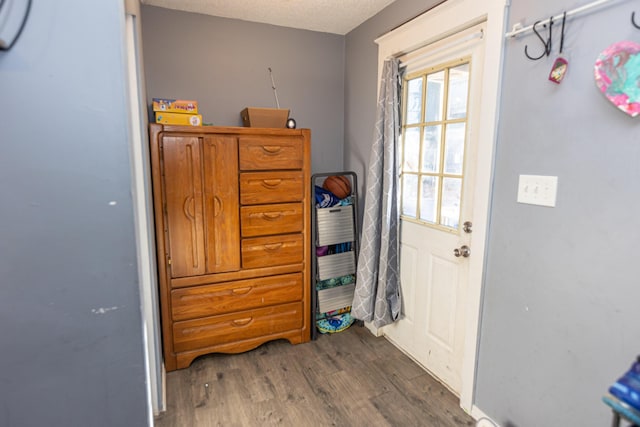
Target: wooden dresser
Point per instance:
(232, 235)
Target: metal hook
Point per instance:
(526, 47)
(564, 18)
(548, 45)
(633, 20)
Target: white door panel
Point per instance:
(441, 302)
(434, 281)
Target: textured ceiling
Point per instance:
(328, 16)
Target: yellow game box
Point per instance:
(175, 105)
(178, 119)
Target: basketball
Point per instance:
(339, 185)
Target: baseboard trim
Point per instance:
(477, 414)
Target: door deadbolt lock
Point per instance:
(466, 226)
(463, 251)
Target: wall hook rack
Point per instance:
(633, 20)
(519, 29)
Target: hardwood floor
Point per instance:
(346, 379)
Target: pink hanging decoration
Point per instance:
(617, 74)
(558, 70)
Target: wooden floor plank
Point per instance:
(353, 401)
(347, 379)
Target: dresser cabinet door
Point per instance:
(184, 204)
(201, 204)
(221, 203)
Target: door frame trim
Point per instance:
(155, 375)
(444, 20)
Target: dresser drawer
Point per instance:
(263, 220)
(269, 251)
(271, 187)
(227, 328)
(209, 300)
(267, 153)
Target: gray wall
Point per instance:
(223, 64)
(70, 322)
(560, 315)
(560, 319)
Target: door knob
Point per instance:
(466, 227)
(463, 251)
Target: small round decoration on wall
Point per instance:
(617, 74)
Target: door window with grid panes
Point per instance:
(433, 144)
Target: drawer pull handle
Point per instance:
(271, 216)
(242, 291)
(273, 246)
(271, 183)
(188, 206)
(217, 206)
(272, 149)
(242, 322)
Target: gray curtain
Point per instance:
(377, 295)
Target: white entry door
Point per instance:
(439, 140)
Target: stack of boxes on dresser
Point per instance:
(176, 112)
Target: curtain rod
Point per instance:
(518, 29)
(475, 35)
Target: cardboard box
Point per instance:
(264, 117)
(175, 105)
(178, 119)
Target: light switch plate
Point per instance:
(538, 190)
